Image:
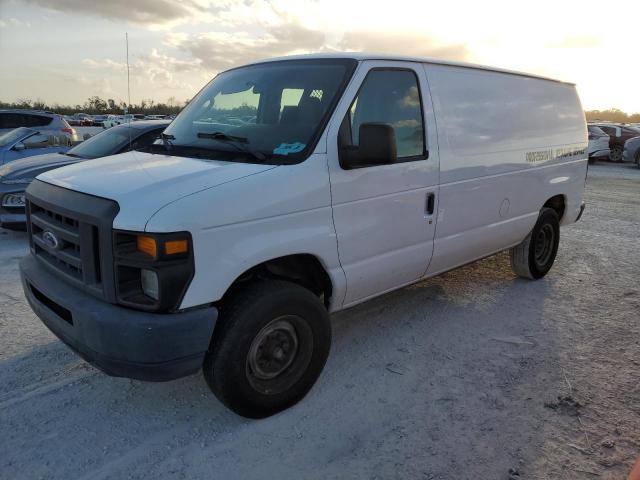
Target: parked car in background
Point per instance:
(155, 117)
(47, 123)
(598, 144)
(80, 120)
(98, 120)
(618, 135)
(85, 119)
(112, 121)
(631, 152)
(16, 177)
(26, 142)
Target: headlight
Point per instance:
(13, 200)
(149, 281)
(153, 270)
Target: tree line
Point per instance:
(612, 115)
(96, 106)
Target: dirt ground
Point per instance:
(471, 375)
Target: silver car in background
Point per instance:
(631, 151)
(598, 144)
(47, 123)
(27, 142)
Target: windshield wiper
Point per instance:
(239, 143)
(223, 137)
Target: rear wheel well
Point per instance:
(303, 269)
(556, 203)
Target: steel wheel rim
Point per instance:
(543, 247)
(290, 368)
(273, 349)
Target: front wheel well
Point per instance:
(556, 203)
(303, 269)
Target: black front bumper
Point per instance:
(12, 220)
(119, 341)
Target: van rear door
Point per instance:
(384, 215)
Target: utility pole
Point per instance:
(126, 36)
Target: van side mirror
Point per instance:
(377, 147)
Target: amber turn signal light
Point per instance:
(176, 246)
(147, 245)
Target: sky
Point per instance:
(64, 51)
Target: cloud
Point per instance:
(14, 22)
(153, 68)
(144, 12)
(160, 60)
(217, 50)
(406, 43)
(585, 41)
(220, 50)
(105, 64)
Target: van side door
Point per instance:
(384, 215)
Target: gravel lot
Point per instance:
(457, 377)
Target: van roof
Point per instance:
(377, 56)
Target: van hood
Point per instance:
(142, 183)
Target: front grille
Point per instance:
(75, 250)
(71, 234)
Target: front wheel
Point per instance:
(534, 256)
(268, 349)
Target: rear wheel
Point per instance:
(269, 348)
(616, 154)
(534, 256)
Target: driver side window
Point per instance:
(391, 96)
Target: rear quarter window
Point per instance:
(11, 120)
(15, 120)
(36, 120)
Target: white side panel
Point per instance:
(481, 216)
(488, 122)
(507, 144)
(235, 226)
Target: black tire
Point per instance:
(268, 349)
(616, 154)
(534, 256)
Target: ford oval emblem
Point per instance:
(50, 239)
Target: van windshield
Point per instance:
(270, 112)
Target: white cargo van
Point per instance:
(289, 189)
